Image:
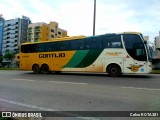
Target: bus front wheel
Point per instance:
(36, 68)
(45, 69)
(114, 70)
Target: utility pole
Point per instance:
(94, 18)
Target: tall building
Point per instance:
(44, 32)
(1, 32)
(157, 42)
(14, 33)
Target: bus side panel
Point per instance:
(61, 62)
(97, 66)
(111, 56)
(23, 61)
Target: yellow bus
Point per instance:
(114, 53)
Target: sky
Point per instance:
(76, 16)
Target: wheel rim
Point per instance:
(45, 69)
(35, 68)
(113, 70)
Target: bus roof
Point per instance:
(80, 36)
(69, 38)
(131, 33)
(58, 39)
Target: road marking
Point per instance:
(140, 88)
(26, 105)
(24, 80)
(41, 108)
(53, 82)
(68, 83)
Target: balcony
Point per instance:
(6, 46)
(36, 36)
(12, 41)
(7, 25)
(29, 30)
(6, 42)
(29, 36)
(14, 27)
(12, 36)
(5, 29)
(14, 32)
(5, 38)
(15, 23)
(5, 33)
(15, 47)
(36, 40)
(37, 29)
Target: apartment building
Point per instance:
(14, 33)
(61, 33)
(41, 31)
(157, 42)
(1, 32)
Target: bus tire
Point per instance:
(114, 70)
(45, 69)
(36, 68)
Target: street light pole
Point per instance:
(94, 18)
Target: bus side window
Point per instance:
(32, 48)
(93, 43)
(38, 48)
(62, 46)
(48, 47)
(112, 42)
(77, 45)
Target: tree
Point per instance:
(8, 56)
(1, 59)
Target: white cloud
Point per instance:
(114, 19)
(76, 16)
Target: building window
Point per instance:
(59, 33)
(52, 36)
(52, 30)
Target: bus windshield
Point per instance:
(135, 47)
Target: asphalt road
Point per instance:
(25, 91)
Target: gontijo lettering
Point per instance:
(53, 55)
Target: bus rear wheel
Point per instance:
(114, 70)
(45, 69)
(36, 68)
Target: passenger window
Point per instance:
(77, 45)
(112, 41)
